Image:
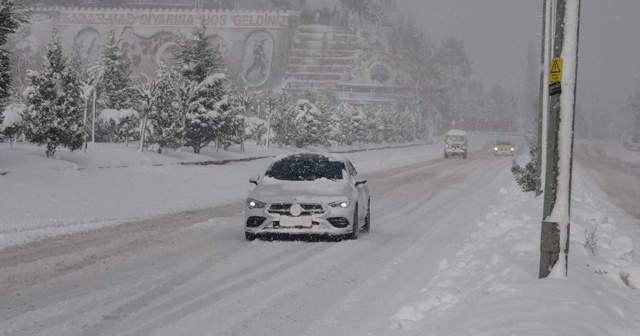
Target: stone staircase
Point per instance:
(320, 57)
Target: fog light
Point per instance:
(255, 221)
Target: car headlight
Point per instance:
(511, 148)
(255, 204)
(495, 148)
(339, 204)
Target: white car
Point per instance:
(503, 147)
(308, 194)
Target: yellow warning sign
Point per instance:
(555, 74)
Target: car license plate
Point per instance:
(286, 221)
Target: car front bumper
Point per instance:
(503, 153)
(331, 221)
(455, 150)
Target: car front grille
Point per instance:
(308, 209)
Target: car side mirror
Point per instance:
(360, 180)
(254, 179)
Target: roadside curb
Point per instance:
(247, 159)
(223, 162)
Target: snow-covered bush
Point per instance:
(527, 176)
(256, 129)
(119, 125)
(11, 126)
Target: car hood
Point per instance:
(322, 190)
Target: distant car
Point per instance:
(503, 147)
(455, 143)
(308, 194)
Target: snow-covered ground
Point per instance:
(484, 280)
(111, 184)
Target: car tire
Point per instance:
(249, 236)
(367, 219)
(446, 156)
(354, 235)
(464, 156)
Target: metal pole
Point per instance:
(269, 129)
(541, 107)
(548, 28)
(93, 118)
(557, 160)
(84, 123)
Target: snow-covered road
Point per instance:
(194, 274)
(453, 251)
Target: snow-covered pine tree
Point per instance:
(115, 88)
(196, 58)
(312, 125)
(283, 123)
(373, 126)
(188, 97)
(229, 121)
(200, 63)
(367, 9)
(204, 123)
(342, 114)
(26, 55)
(166, 122)
(11, 16)
(359, 120)
(350, 123)
(231, 129)
(387, 124)
(54, 106)
(405, 125)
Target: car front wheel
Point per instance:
(367, 220)
(354, 234)
(249, 236)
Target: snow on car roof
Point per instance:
(456, 132)
(330, 157)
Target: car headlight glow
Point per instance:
(340, 204)
(495, 148)
(512, 148)
(255, 204)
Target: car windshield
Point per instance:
(504, 143)
(456, 138)
(306, 168)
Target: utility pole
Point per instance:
(541, 109)
(559, 157)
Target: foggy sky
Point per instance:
(498, 34)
